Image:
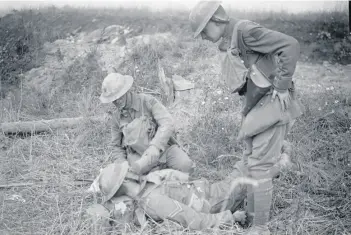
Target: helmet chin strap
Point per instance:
(119, 103)
(219, 20)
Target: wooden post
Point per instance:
(166, 84)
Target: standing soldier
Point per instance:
(142, 128)
(259, 64)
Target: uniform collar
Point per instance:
(227, 35)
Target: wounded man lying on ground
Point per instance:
(168, 194)
(142, 128)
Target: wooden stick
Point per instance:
(45, 125)
(166, 84)
(12, 185)
(15, 185)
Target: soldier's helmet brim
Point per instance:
(114, 86)
(111, 178)
(201, 14)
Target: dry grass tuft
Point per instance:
(314, 198)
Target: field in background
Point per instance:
(313, 198)
(323, 36)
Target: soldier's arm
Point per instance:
(167, 175)
(268, 41)
(164, 121)
(115, 144)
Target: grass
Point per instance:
(312, 199)
(318, 189)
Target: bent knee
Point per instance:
(187, 167)
(183, 164)
(177, 159)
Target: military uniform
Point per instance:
(197, 204)
(181, 201)
(258, 64)
(184, 203)
(161, 129)
(265, 124)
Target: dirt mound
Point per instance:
(61, 54)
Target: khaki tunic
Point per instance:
(162, 122)
(265, 125)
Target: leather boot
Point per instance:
(221, 198)
(262, 196)
(250, 205)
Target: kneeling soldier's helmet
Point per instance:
(114, 86)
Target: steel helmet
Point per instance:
(111, 179)
(114, 86)
(203, 11)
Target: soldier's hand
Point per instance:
(284, 98)
(240, 216)
(154, 177)
(148, 160)
(152, 151)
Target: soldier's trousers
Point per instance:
(263, 150)
(261, 158)
(264, 130)
(159, 206)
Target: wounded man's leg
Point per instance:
(160, 207)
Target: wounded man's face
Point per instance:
(123, 212)
(121, 102)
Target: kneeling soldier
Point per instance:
(142, 127)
